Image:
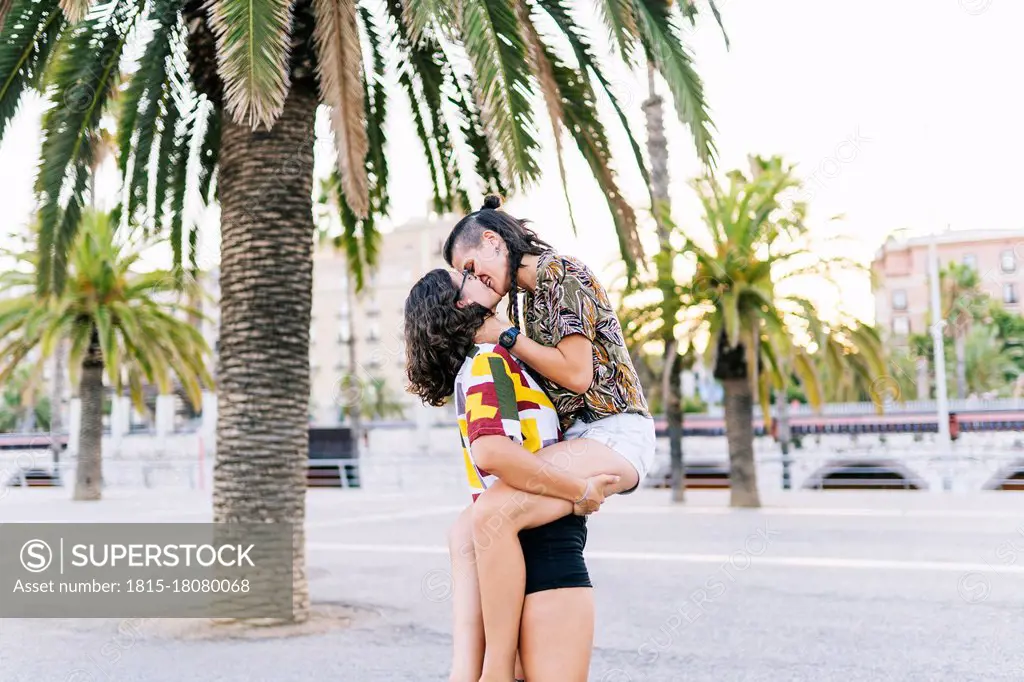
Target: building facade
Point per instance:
(367, 327)
(900, 282)
(356, 333)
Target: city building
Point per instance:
(371, 320)
(900, 274)
(345, 326)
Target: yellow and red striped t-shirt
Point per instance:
(496, 395)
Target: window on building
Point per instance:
(899, 299)
(1010, 292)
(1008, 261)
(970, 261)
(373, 331)
(901, 326)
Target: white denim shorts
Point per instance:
(627, 433)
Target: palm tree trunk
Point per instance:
(739, 430)
(354, 412)
(56, 406)
(671, 386)
(782, 413)
(731, 369)
(267, 229)
(89, 470)
(960, 348)
(924, 390)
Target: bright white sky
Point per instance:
(897, 114)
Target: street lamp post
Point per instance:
(941, 397)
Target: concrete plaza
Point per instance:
(818, 586)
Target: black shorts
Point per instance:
(554, 554)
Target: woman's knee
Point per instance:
(460, 535)
(498, 507)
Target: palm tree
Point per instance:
(963, 304)
(1011, 335)
(661, 208)
(120, 323)
(227, 90)
(992, 359)
(21, 405)
(762, 335)
(989, 366)
(671, 388)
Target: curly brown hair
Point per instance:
(438, 336)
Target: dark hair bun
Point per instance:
(492, 201)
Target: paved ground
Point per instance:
(816, 586)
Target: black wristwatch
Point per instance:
(508, 338)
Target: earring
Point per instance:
(495, 250)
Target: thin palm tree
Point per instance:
(661, 209)
(964, 304)
(661, 205)
(121, 324)
(990, 367)
(21, 405)
(223, 99)
(761, 334)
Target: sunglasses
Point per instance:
(465, 274)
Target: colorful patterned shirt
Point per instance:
(568, 299)
(495, 395)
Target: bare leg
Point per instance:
(558, 635)
(468, 624)
(498, 516)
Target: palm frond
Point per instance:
(28, 32)
(75, 10)
(427, 77)
(147, 92)
(661, 37)
(84, 79)
(209, 151)
(376, 117)
(253, 42)
(5, 7)
(579, 108)
(167, 151)
(559, 12)
(805, 370)
(498, 56)
(621, 21)
(476, 139)
(544, 69)
(339, 67)
(718, 17)
(175, 212)
(420, 15)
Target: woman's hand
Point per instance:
(597, 490)
(492, 328)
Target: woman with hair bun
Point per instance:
(572, 339)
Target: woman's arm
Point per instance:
(570, 364)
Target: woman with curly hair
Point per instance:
(512, 452)
(573, 341)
